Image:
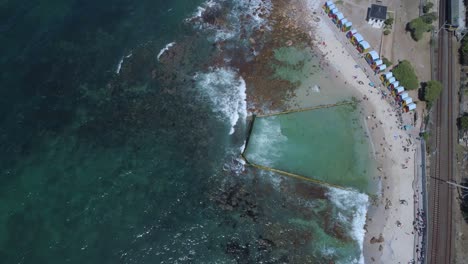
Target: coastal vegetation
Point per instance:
(404, 72)
(387, 62)
(463, 122)
(432, 90)
(418, 26)
(464, 200)
(464, 51)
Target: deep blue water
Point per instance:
(139, 166)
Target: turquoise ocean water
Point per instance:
(117, 150)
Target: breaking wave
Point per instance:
(353, 209)
(168, 46)
(226, 91)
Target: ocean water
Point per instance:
(122, 128)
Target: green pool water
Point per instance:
(326, 144)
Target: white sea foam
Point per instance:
(267, 141)
(166, 48)
(354, 204)
(227, 92)
(254, 10)
(119, 66)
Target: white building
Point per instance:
(376, 15)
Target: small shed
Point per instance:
(380, 68)
(333, 12)
(372, 56)
(407, 101)
(376, 63)
(346, 26)
(394, 85)
(403, 95)
(399, 89)
(338, 16)
(341, 22)
(376, 15)
(386, 76)
(351, 33)
(363, 46)
(410, 107)
(357, 38)
(389, 81)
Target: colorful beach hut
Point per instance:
(337, 18)
(402, 96)
(376, 63)
(386, 76)
(380, 68)
(351, 33)
(410, 107)
(333, 12)
(372, 56)
(346, 26)
(393, 85)
(327, 5)
(341, 23)
(389, 81)
(363, 46)
(355, 39)
(406, 101)
(398, 90)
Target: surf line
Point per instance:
(307, 109)
(291, 175)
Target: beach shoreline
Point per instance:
(390, 237)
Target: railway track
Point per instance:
(440, 224)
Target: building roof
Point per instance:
(339, 16)
(392, 79)
(408, 100)
(395, 84)
(328, 3)
(404, 95)
(378, 62)
(364, 44)
(358, 37)
(378, 12)
(344, 21)
(348, 24)
(374, 55)
(353, 31)
(399, 89)
(334, 10)
(388, 75)
(382, 67)
(411, 106)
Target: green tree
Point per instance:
(427, 7)
(463, 122)
(432, 91)
(464, 51)
(405, 74)
(429, 17)
(387, 62)
(389, 21)
(417, 27)
(387, 31)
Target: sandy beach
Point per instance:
(390, 236)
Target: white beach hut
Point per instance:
(372, 56)
(399, 89)
(407, 100)
(346, 26)
(380, 68)
(403, 95)
(389, 81)
(410, 107)
(386, 76)
(338, 16)
(394, 85)
(351, 33)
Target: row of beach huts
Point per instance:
(372, 57)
